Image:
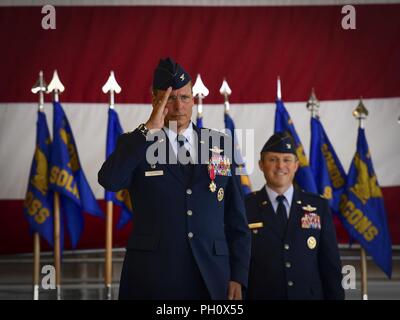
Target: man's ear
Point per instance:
(297, 163)
(260, 164)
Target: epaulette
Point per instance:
(313, 195)
(216, 131)
(251, 194)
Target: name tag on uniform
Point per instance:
(256, 225)
(154, 173)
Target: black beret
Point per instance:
(169, 74)
(281, 142)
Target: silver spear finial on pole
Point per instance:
(55, 86)
(225, 91)
(40, 87)
(111, 86)
(313, 104)
(278, 89)
(200, 91)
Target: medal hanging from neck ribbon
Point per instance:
(211, 171)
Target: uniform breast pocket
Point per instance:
(256, 227)
(151, 173)
(312, 237)
(221, 181)
(154, 173)
(152, 170)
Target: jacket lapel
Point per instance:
(200, 168)
(172, 164)
(295, 211)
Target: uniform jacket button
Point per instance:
(189, 191)
(190, 235)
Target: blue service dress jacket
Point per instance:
(302, 262)
(187, 242)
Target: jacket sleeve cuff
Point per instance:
(240, 274)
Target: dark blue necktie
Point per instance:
(281, 212)
(187, 168)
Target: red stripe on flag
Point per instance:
(15, 238)
(250, 46)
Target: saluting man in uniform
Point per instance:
(294, 250)
(190, 237)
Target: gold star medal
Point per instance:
(212, 186)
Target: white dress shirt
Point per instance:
(189, 142)
(288, 198)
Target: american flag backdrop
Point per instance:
(250, 43)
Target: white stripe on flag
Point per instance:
(89, 121)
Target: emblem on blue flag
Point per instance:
(362, 207)
(326, 167)
(38, 205)
(68, 179)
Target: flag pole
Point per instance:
(225, 91)
(361, 113)
(200, 91)
(313, 104)
(36, 265)
(112, 87)
(40, 87)
(56, 87)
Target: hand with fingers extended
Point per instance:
(156, 120)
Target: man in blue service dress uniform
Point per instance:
(294, 250)
(190, 237)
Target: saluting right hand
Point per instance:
(156, 120)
